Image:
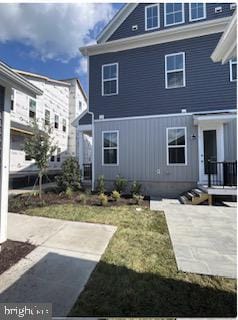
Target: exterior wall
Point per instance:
(143, 154)
(142, 81)
(137, 17)
(56, 99)
(230, 141)
(75, 97)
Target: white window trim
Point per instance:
(158, 26)
(175, 70)
(110, 164)
(183, 146)
(230, 65)
(165, 15)
(56, 114)
(44, 115)
(201, 18)
(31, 98)
(116, 78)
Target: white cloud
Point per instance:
(55, 31)
(83, 66)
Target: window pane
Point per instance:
(170, 63)
(169, 7)
(177, 6)
(110, 139)
(177, 155)
(170, 19)
(175, 79)
(178, 17)
(200, 13)
(110, 87)
(234, 71)
(110, 71)
(110, 156)
(176, 137)
(179, 61)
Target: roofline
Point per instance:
(162, 36)
(115, 22)
(80, 86)
(39, 76)
(226, 47)
(18, 80)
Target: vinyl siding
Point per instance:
(230, 141)
(142, 81)
(86, 119)
(137, 17)
(2, 96)
(143, 150)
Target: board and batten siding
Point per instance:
(142, 81)
(137, 17)
(230, 141)
(143, 153)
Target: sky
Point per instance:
(45, 38)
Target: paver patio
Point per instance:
(203, 238)
(58, 269)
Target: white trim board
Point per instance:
(162, 36)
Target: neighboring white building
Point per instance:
(60, 103)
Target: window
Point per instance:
(110, 79)
(80, 106)
(58, 158)
(233, 70)
(56, 121)
(175, 70)
(110, 142)
(64, 125)
(197, 11)
(173, 13)
(52, 159)
(27, 157)
(32, 108)
(176, 146)
(152, 17)
(47, 117)
(12, 99)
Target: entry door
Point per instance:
(211, 147)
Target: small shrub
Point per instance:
(138, 199)
(135, 187)
(116, 195)
(70, 175)
(120, 184)
(103, 199)
(83, 198)
(69, 192)
(101, 185)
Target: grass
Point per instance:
(137, 275)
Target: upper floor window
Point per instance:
(58, 158)
(12, 99)
(64, 125)
(32, 108)
(176, 146)
(80, 106)
(173, 13)
(110, 143)
(175, 70)
(233, 70)
(152, 17)
(197, 11)
(56, 121)
(47, 117)
(110, 79)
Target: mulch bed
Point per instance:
(13, 251)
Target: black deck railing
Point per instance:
(223, 174)
(87, 171)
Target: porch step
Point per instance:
(194, 197)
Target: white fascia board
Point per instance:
(116, 21)
(226, 47)
(162, 36)
(14, 79)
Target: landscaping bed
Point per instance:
(13, 251)
(137, 275)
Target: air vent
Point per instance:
(183, 110)
(218, 9)
(101, 116)
(134, 28)
(232, 6)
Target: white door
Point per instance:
(210, 147)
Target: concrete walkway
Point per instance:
(203, 237)
(58, 269)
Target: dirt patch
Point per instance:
(13, 251)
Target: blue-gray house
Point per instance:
(160, 110)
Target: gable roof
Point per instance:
(116, 21)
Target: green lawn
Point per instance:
(137, 275)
